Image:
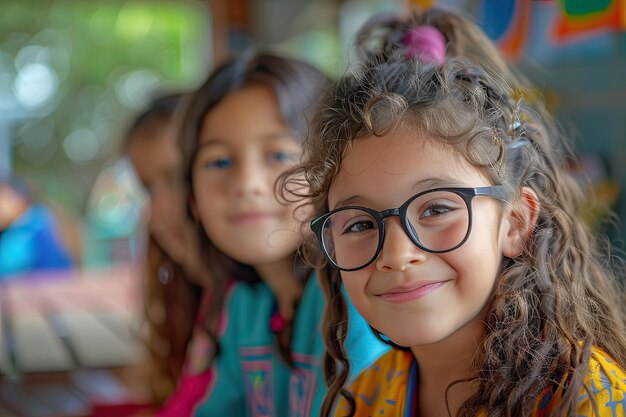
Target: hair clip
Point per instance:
(425, 43)
(518, 143)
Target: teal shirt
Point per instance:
(250, 377)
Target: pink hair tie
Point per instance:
(425, 43)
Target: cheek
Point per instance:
(207, 188)
(158, 207)
(174, 203)
(208, 209)
(487, 228)
(477, 262)
(163, 204)
(287, 234)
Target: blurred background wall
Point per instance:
(73, 74)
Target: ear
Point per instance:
(522, 220)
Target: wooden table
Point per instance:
(67, 340)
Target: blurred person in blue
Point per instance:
(30, 236)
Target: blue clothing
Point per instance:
(249, 378)
(31, 243)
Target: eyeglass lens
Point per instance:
(439, 221)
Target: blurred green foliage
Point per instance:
(73, 74)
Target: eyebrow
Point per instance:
(265, 138)
(436, 182)
(419, 186)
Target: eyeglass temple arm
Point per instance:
(500, 192)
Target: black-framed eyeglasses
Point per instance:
(437, 221)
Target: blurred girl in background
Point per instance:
(258, 350)
(175, 273)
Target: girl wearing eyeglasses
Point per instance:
(257, 348)
(446, 212)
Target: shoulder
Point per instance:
(607, 385)
(245, 313)
(383, 387)
(312, 303)
(312, 285)
(35, 218)
(39, 216)
(603, 368)
(606, 379)
(247, 297)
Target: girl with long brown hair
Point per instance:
(258, 349)
(445, 209)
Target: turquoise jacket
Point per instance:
(253, 380)
(249, 378)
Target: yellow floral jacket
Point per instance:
(387, 388)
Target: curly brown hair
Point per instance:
(551, 303)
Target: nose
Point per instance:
(250, 179)
(398, 252)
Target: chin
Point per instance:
(415, 336)
(416, 341)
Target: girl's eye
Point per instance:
(436, 209)
(359, 226)
(219, 163)
(283, 157)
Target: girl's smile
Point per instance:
(252, 218)
(409, 292)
